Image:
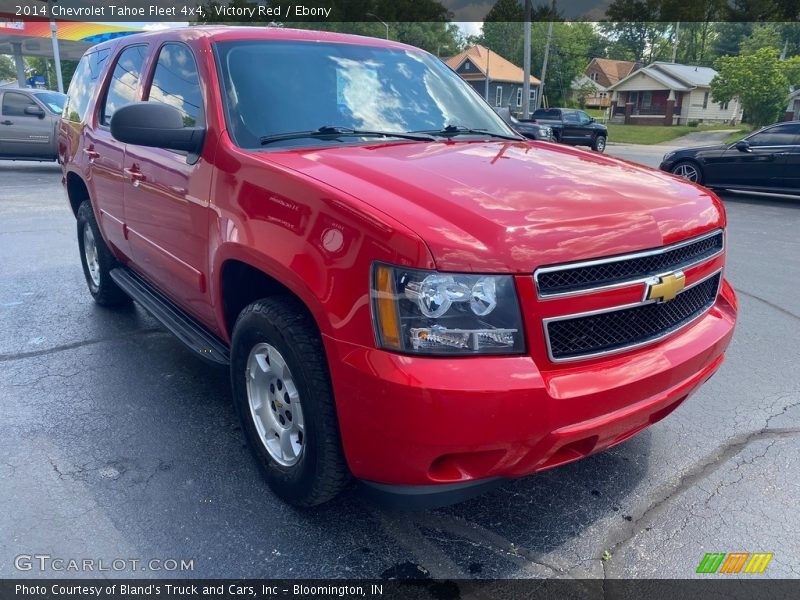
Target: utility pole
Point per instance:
(540, 97)
(526, 61)
(385, 24)
(675, 42)
(486, 86)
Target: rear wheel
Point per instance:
(283, 395)
(97, 260)
(688, 170)
(599, 143)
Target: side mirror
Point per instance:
(34, 111)
(742, 146)
(591, 119)
(156, 125)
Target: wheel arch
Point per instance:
(77, 191)
(240, 283)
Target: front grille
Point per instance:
(576, 278)
(619, 329)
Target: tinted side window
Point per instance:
(175, 82)
(124, 81)
(782, 135)
(584, 118)
(570, 118)
(14, 104)
(83, 84)
(547, 113)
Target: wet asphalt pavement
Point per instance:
(116, 442)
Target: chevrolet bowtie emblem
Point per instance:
(665, 287)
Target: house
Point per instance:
(599, 75)
(793, 108)
(670, 94)
(505, 78)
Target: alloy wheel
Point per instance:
(275, 404)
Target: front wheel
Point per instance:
(599, 143)
(688, 170)
(284, 398)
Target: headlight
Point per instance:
(427, 312)
(547, 131)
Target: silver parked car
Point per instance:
(28, 123)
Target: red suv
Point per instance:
(407, 291)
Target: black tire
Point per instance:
(684, 167)
(320, 472)
(599, 143)
(105, 292)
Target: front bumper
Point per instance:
(422, 421)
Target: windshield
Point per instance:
(278, 87)
(52, 100)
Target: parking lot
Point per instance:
(115, 442)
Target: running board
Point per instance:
(199, 339)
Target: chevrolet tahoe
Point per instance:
(406, 292)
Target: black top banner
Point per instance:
(266, 11)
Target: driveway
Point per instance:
(652, 154)
(116, 442)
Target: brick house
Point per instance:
(600, 74)
(670, 94)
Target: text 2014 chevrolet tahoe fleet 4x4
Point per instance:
(406, 291)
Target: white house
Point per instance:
(670, 94)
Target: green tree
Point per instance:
(7, 68)
(38, 65)
(760, 80)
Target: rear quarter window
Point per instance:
(84, 84)
(547, 113)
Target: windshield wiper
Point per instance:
(454, 130)
(328, 131)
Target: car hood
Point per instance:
(696, 149)
(513, 206)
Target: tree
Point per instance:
(7, 68)
(760, 80)
(38, 65)
(585, 90)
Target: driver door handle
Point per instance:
(7, 122)
(135, 174)
(91, 153)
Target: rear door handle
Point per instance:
(7, 122)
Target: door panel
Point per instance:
(105, 156)
(23, 135)
(790, 167)
(167, 194)
(166, 211)
(758, 168)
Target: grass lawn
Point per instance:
(655, 134)
(737, 135)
